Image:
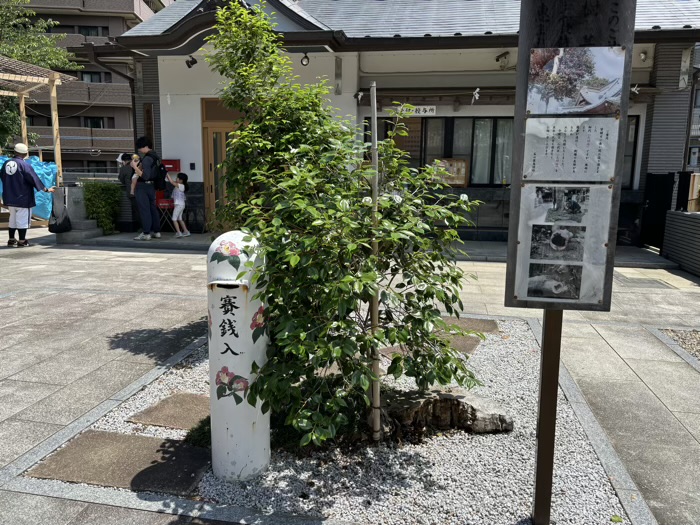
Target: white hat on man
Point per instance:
(22, 149)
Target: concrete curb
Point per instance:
(630, 497)
(671, 343)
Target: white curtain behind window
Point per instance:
(504, 151)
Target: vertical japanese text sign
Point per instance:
(240, 433)
(572, 98)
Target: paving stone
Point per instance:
(17, 508)
(14, 360)
(18, 395)
(676, 384)
(667, 477)
(127, 461)
(18, 437)
(182, 411)
(593, 357)
(484, 326)
(617, 406)
(578, 330)
(691, 422)
(107, 515)
(79, 397)
(66, 367)
(632, 342)
(466, 345)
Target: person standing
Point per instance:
(125, 174)
(145, 193)
(19, 180)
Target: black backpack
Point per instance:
(160, 172)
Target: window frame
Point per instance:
(83, 30)
(92, 76)
(635, 150)
(88, 119)
(448, 146)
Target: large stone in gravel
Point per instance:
(445, 410)
(182, 411)
(126, 461)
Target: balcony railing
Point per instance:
(76, 40)
(114, 140)
(137, 8)
(89, 93)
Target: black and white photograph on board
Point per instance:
(554, 281)
(557, 242)
(575, 80)
(566, 204)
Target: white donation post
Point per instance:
(240, 433)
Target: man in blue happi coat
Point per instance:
(19, 181)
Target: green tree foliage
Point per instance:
(24, 37)
(298, 179)
(575, 66)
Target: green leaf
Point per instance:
(221, 391)
(257, 333)
(294, 260)
(364, 382)
(234, 261)
(616, 519)
(237, 397)
(305, 440)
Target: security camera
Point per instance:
(190, 62)
(502, 56)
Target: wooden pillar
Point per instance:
(56, 132)
(23, 116)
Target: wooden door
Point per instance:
(215, 153)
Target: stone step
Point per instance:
(75, 236)
(84, 224)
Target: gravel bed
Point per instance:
(191, 375)
(453, 478)
(689, 340)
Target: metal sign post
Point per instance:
(572, 96)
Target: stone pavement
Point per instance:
(76, 327)
(645, 396)
(79, 324)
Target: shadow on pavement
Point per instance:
(158, 344)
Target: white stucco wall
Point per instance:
(182, 90)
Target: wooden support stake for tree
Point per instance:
(56, 132)
(23, 117)
(374, 306)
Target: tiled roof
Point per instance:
(411, 18)
(416, 18)
(164, 19)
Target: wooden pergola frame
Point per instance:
(18, 79)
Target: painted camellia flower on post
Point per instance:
(258, 324)
(229, 384)
(227, 251)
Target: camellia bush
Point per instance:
(299, 180)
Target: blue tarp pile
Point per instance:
(47, 174)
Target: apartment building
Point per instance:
(95, 114)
